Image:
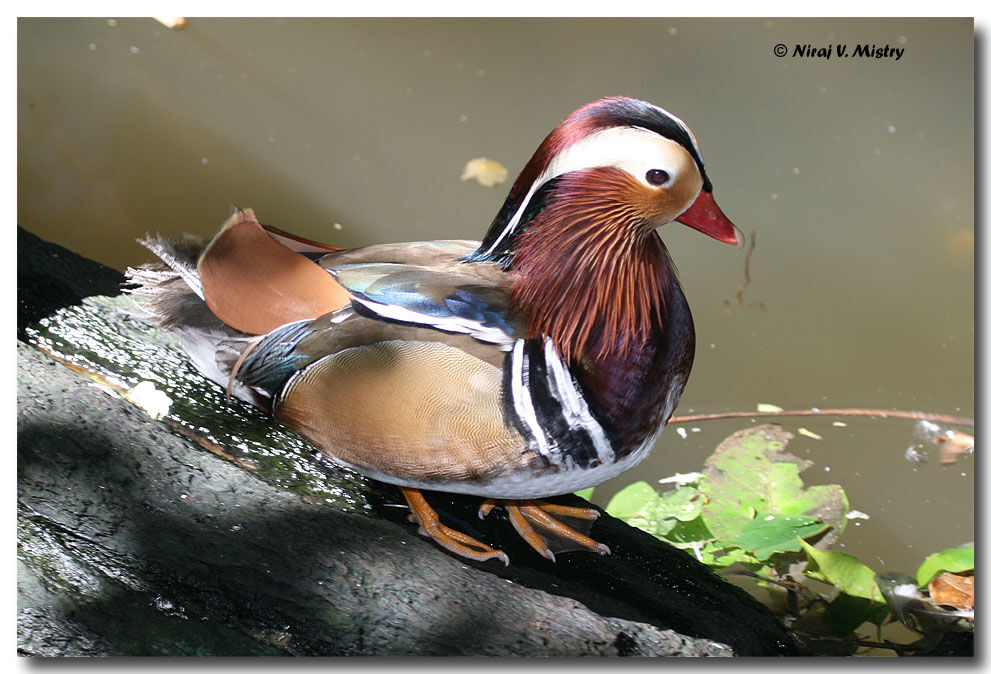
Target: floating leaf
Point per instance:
(812, 620)
(952, 444)
(688, 533)
(767, 534)
(809, 434)
(954, 560)
(845, 614)
(843, 571)
(749, 473)
(915, 610)
(488, 172)
(631, 501)
(710, 557)
(950, 589)
(768, 407)
(173, 22)
(955, 446)
(585, 493)
(639, 505)
(960, 243)
(683, 504)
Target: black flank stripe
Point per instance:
(572, 442)
(509, 410)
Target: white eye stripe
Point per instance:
(632, 149)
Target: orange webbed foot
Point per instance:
(526, 515)
(457, 542)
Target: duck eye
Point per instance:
(657, 177)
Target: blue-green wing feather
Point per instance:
(458, 301)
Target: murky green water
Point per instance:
(856, 174)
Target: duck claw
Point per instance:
(525, 515)
(450, 539)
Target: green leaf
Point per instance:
(639, 505)
(688, 534)
(636, 505)
(729, 557)
(953, 560)
(585, 493)
(845, 614)
(631, 501)
(749, 473)
(843, 571)
(767, 534)
(683, 504)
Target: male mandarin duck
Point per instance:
(542, 360)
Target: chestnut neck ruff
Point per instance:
(588, 271)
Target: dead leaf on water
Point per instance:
(173, 22)
(960, 243)
(488, 172)
(953, 445)
(950, 589)
(809, 434)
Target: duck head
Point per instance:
(578, 226)
(665, 176)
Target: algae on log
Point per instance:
(215, 531)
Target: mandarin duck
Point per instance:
(542, 360)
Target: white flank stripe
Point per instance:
(522, 401)
(575, 408)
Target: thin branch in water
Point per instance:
(794, 589)
(841, 412)
(900, 649)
